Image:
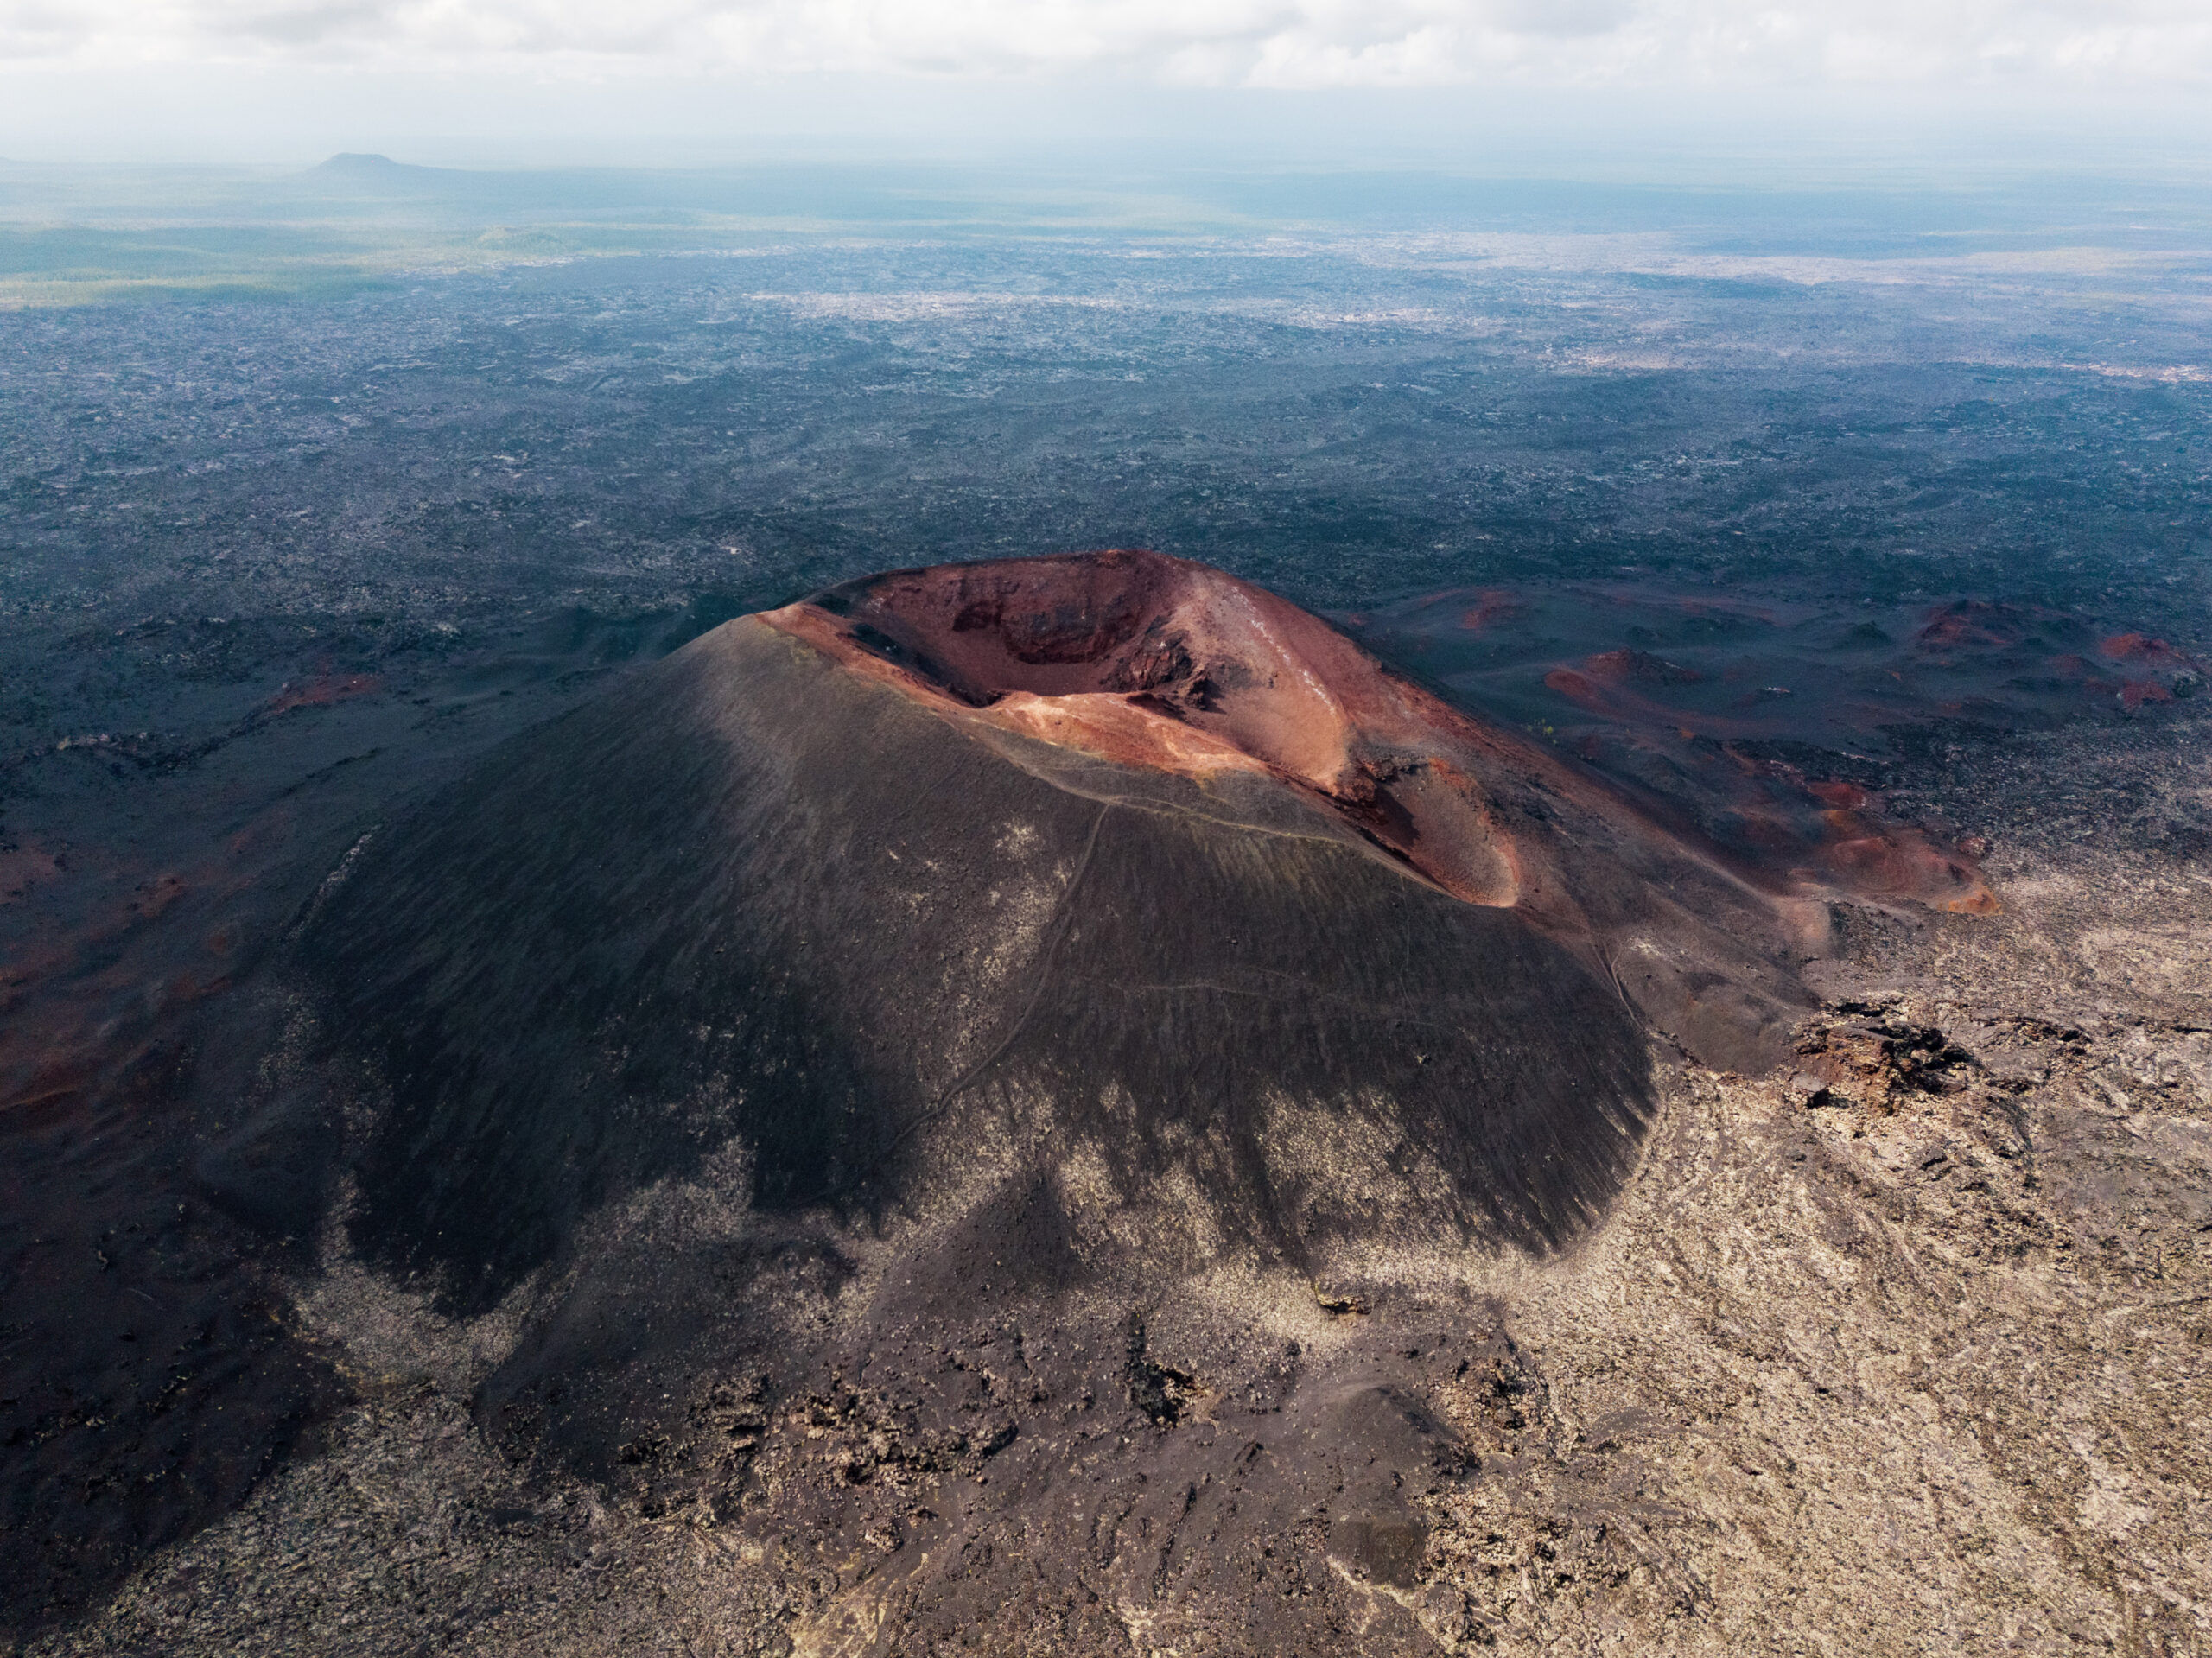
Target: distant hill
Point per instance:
(349, 164)
(351, 171)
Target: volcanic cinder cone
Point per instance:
(1110, 861)
(1009, 941)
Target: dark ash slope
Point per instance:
(753, 902)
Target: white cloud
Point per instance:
(1290, 43)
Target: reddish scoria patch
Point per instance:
(1848, 795)
(2134, 693)
(1643, 666)
(2070, 665)
(325, 688)
(1884, 859)
(2138, 647)
(1578, 690)
(1491, 606)
(1971, 622)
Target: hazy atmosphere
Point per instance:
(1470, 83)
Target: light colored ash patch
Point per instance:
(409, 1533)
(1912, 1343)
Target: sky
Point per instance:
(213, 80)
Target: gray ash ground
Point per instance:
(1905, 1342)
